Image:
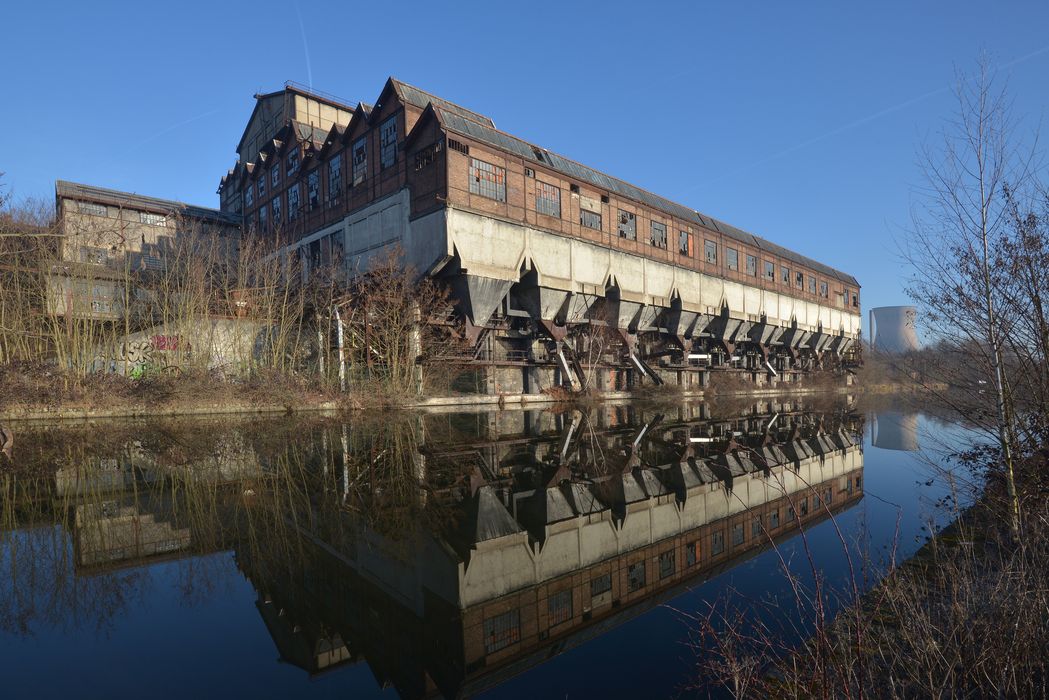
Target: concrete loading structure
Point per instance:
(561, 274)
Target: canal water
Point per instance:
(503, 554)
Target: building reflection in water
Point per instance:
(894, 430)
(450, 552)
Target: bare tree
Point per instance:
(961, 221)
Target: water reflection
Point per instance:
(895, 430)
(447, 552)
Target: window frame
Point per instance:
(732, 259)
(359, 168)
(547, 199)
(388, 148)
(626, 225)
(657, 234)
(491, 186)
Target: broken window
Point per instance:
(684, 243)
(388, 143)
(711, 250)
(313, 188)
(360, 160)
(666, 564)
(812, 284)
(755, 526)
(692, 553)
(627, 225)
(293, 201)
(855, 299)
(600, 584)
(823, 290)
(785, 274)
(427, 155)
(752, 266)
(770, 271)
(774, 519)
(275, 175)
(717, 543)
(636, 576)
(737, 534)
(92, 208)
(732, 258)
(293, 161)
(487, 180)
(335, 177)
(249, 196)
(799, 279)
(590, 219)
(559, 607)
(658, 235)
(146, 217)
(547, 199)
(501, 631)
(263, 221)
(262, 187)
(275, 206)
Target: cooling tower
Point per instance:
(891, 430)
(892, 329)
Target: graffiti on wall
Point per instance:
(159, 353)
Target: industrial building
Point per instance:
(561, 274)
(109, 239)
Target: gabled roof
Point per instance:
(412, 95)
(487, 134)
(130, 200)
(293, 88)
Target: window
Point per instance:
(275, 206)
(388, 143)
(812, 284)
(92, 208)
(487, 180)
(547, 199)
(785, 273)
(804, 510)
(627, 225)
(737, 534)
(732, 258)
(313, 189)
(710, 248)
(855, 299)
(249, 196)
(502, 630)
(755, 526)
(770, 271)
(823, 290)
(590, 219)
(828, 496)
(666, 564)
(460, 147)
(335, 177)
(635, 575)
(658, 235)
(559, 607)
(684, 243)
(790, 514)
(293, 201)
(262, 187)
(275, 176)
(600, 584)
(427, 155)
(774, 519)
(263, 221)
(799, 279)
(146, 217)
(360, 160)
(752, 266)
(692, 553)
(293, 161)
(717, 543)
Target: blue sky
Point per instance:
(797, 121)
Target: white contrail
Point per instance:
(857, 123)
(168, 129)
(305, 46)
